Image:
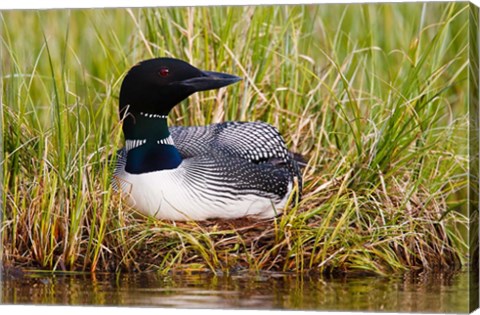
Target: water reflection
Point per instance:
(438, 292)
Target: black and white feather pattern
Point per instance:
(256, 142)
(225, 167)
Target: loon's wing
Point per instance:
(253, 141)
(227, 177)
(256, 142)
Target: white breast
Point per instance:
(167, 194)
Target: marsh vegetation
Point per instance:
(376, 96)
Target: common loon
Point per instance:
(225, 170)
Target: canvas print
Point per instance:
(297, 157)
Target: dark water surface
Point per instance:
(432, 292)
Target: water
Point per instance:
(434, 292)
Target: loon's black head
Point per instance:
(155, 86)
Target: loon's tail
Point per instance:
(301, 160)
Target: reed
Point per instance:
(376, 96)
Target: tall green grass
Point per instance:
(376, 96)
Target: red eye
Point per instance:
(163, 72)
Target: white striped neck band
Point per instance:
(168, 141)
(147, 115)
(135, 143)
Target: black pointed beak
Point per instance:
(209, 81)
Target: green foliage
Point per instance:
(375, 95)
